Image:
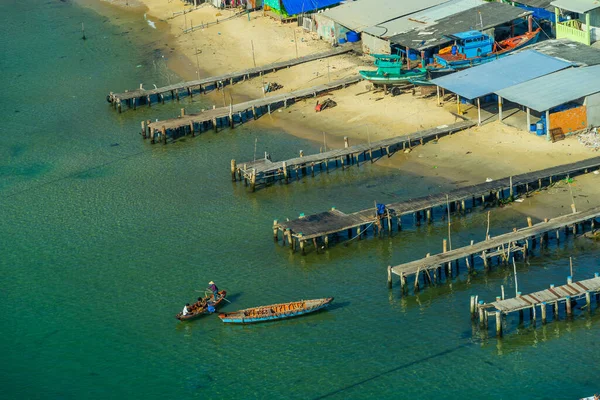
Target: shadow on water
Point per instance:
(392, 370)
(336, 305)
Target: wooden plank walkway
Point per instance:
(241, 112)
(319, 226)
(502, 246)
(554, 297)
(265, 171)
(554, 294)
(142, 96)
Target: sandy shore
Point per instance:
(491, 151)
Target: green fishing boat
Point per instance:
(390, 72)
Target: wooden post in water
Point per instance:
(164, 135)
(233, 168)
(288, 233)
(472, 307)
(275, 231)
(144, 129)
(498, 319)
(301, 240)
(481, 312)
(285, 171)
(543, 310)
(389, 277)
(568, 305)
(253, 180)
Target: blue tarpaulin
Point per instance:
(293, 7)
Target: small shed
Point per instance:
(569, 98)
(585, 27)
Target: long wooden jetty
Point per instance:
(318, 227)
(501, 246)
(554, 296)
(235, 113)
(265, 171)
(136, 97)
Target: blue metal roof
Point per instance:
(467, 34)
(499, 74)
(552, 90)
(293, 7)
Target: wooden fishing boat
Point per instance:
(389, 71)
(473, 48)
(275, 311)
(203, 307)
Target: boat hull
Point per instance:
(266, 314)
(221, 296)
(391, 79)
(448, 61)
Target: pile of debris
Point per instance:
(590, 138)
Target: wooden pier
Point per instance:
(136, 97)
(554, 296)
(235, 113)
(501, 247)
(264, 171)
(318, 227)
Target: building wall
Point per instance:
(327, 29)
(593, 109)
(571, 120)
(374, 45)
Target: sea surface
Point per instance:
(104, 237)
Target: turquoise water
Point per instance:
(104, 238)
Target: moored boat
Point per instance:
(275, 311)
(473, 48)
(207, 305)
(389, 71)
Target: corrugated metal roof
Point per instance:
(361, 14)
(421, 19)
(293, 7)
(545, 4)
(565, 49)
(491, 14)
(505, 72)
(552, 90)
(578, 6)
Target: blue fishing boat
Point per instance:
(473, 48)
(275, 311)
(389, 71)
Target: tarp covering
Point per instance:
(552, 90)
(496, 75)
(293, 7)
(274, 4)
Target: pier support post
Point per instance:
(233, 168)
(588, 300)
(301, 241)
(472, 307)
(498, 321)
(568, 306)
(275, 231)
(192, 130)
(285, 171)
(288, 234)
(164, 134)
(481, 313)
(144, 129)
(429, 215)
(403, 287)
(253, 180)
(543, 310)
(389, 277)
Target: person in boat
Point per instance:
(201, 303)
(215, 290)
(186, 310)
